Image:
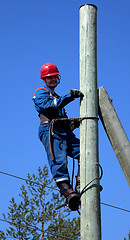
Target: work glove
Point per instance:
(76, 93)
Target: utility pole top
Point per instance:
(89, 5)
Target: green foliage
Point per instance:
(36, 217)
(128, 236)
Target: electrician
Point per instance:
(63, 142)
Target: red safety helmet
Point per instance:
(48, 69)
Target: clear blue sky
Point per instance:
(32, 33)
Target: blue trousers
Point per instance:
(63, 145)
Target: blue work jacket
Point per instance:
(51, 106)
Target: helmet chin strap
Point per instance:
(59, 78)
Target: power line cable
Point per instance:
(19, 224)
(44, 232)
(25, 179)
(109, 205)
(31, 226)
(58, 235)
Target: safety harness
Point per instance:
(45, 89)
(73, 122)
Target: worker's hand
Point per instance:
(76, 93)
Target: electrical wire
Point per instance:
(44, 232)
(85, 188)
(109, 205)
(25, 179)
(58, 235)
(21, 178)
(20, 224)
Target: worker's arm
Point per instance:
(44, 100)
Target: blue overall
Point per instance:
(64, 141)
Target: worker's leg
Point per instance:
(58, 166)
(73, 146)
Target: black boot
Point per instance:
(71, 196)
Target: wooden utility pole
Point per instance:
(115, 132)
(90, 200)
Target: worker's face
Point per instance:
(51, 81)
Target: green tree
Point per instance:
(36, 217)
(128, 236)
